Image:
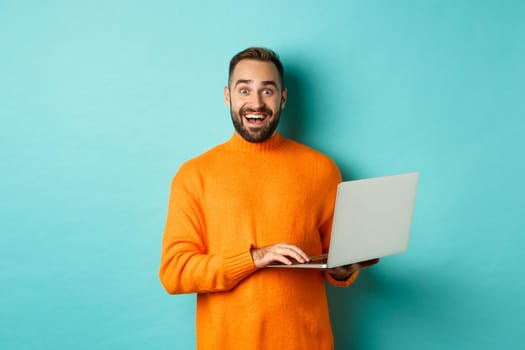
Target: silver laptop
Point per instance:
(372, 219)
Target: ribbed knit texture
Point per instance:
(240, 195)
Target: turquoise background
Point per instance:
(101, 101)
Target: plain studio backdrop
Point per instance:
(102, 101)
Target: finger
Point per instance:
(362, 265)
(339, 269)
(275, 257)
(293, 252)
(368, 263)
(300, 252)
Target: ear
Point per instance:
(284, 94)
(227, 96)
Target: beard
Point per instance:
(263, 133)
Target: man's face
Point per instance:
(255, 97)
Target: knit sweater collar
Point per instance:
(236, 142)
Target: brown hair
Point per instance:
(259, 54)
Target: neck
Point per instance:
(237, 142)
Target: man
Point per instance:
(256, 199)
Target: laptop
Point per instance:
(372, 219)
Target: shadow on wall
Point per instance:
(380, 303)
(349, 307)
(294, 113)
(301, 114)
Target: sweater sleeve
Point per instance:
(186, 266)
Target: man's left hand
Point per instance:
(342, 273)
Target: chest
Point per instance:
(263, 204)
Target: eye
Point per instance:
(243, 91)
(267, 92)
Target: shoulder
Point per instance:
(322, 163)
(301, 150)
(193, 169)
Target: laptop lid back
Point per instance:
(372, 218)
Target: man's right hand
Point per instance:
(281, 252)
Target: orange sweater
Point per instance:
(240, 195)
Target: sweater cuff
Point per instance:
(239, 265)
(344, 283)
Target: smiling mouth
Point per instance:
(255, 119)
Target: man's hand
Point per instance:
(342, 273)
(281, 252)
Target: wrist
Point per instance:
(257, 256)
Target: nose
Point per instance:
(258, 100)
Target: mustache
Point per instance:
(264, 110)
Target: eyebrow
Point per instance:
(249, 81)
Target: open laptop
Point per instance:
(372, 219)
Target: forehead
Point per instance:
(255, 71)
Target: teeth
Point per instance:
(255, 116)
